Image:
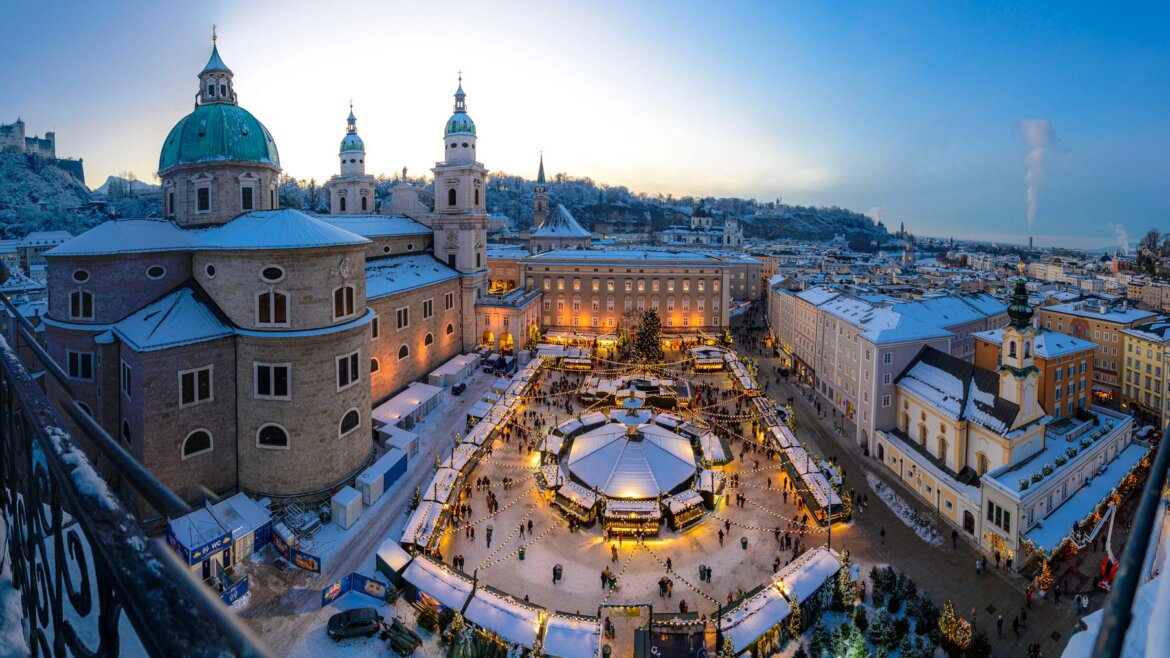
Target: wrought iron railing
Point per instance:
(1119, 603)
(91, 583)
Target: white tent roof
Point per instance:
(623, 468)
(504, 616)
(439, 582)
(571, 637)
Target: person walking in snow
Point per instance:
(720, 537)
(613, 552)
(883, 534)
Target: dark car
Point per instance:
(458, 388)
(352, 623)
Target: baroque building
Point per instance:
(233, 345)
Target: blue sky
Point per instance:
(910, 110)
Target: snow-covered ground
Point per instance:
(12, 642)
(919, 524)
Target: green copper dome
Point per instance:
(460, 124)
(351, 142)
(215, 132)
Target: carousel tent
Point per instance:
(653, 460)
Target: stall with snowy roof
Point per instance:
(571, 636)
(248, 521)
(455, 370)
(409, 407)
(767, 608)
(508, 618)
(683, 509)
(435, 584)
(391, 560)
(200, 540)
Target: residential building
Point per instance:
(1102, 322)
(1146, 389)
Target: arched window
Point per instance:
(364, 203)
(981, 463)
(451, 197)
(341, 204)
(223, 90)
(272, 308)
(905, 422)
(922, 435)
(1012, 348)
(349, 422)
(942, 449)
(272, 436)
(403, 352)
(373, 366)
(81, 305)
(126, 432)
(196, 443)
(450, 329)
(343, 302)
(428, 339)
(1027, 348)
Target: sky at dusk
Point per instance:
(936, 114)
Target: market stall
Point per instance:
(571, 636)
(684, 509)
(632, 517)
(576, 501)
(509, 618)
(435, 584)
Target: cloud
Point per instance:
(1040, 137)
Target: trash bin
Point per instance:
(606, 651)
(521, 553)
(743, 542)
(557, 570)
(702, 572)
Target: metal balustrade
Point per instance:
(91, 583)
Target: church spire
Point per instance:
(1019, 311)
(540, 207)
(540, 174)
(460, 96)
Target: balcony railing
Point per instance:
(91, 583)
(1118, 605)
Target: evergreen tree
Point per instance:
(846, 590)
(648, 339)
(1045, 578)
(954, 630)
(821, 643)
(881, 631)
(795, 620)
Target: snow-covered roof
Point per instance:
(959, 390)
(648, 257)
(818, 295)
(393, 555)
(179, 318)
(376, 226)
(654, 461)
(1099, 309)
(571, 637)
(1158, 332)
(881, 324)
(951, 310)
(259, 230)
(421, 524)
(560, 224)
(745, 623)
(241, 515)
(512, 620)
(1056, 526)
(197, 528)
(388, 276)
(439, 582)
(1047, 344)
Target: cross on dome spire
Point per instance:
(213, 33)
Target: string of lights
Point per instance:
(679, 576)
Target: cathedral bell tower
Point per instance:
(459, 221)
(1018, 376)
(353, 190)
(540, 198)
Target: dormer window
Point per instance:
(211, 90)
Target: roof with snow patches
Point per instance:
(959, 390)
(560, 224)
(178, 318)
(386, 276)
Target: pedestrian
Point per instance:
(720, 537)
(669, 588)
(1056, 593)
(999, 626)
(613, 552)
(954, 539)
(529, 526)
(708, 574)
(785, 494)
(521, 531)
(1023, 618)
(668, 565)
(682, 606)
(997, 557)
(604, 578)
(775, 565)
(883, 534)
(1016, 625)
(1028, 597)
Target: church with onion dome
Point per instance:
(231, 345)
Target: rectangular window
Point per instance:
(246, 198)
(203, 199)
(449, 301)
(348, 373)
(402, 317)
(576, 285)
(80, 365)
(629, 285)
(596, 285)
(273, 380)
(194, 386)
(885, 400)
(126, 377)
(886, 378)
(686, 285)
(670, 285)
(428, 308)
(343, 302)
(654, 285)
(548, 284)
(609, 285)
(375, 325)
(887, 358)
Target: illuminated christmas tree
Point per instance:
(795, 623)
(648, 339)
(1045, 578)
(954, 630)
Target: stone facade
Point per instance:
(394, 373)
(224, 182)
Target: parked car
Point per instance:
(354, 623)
(458, 388)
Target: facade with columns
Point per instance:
(247, 355)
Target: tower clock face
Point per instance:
(452, 235)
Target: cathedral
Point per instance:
(235, 345)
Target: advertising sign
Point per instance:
(235, 592)
(374, 588)
(201, 552)
(335, 590)
(281, 545)
(305, 561)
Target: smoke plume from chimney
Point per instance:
(1122, 238)
(1040, 136)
